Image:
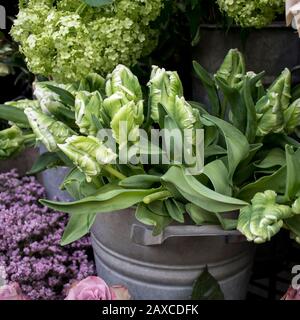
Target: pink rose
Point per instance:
(121, 293)
(94, 288)
(292, 294)
(11, 292)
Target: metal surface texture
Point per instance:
(166, 267)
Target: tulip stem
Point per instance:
(114, 172)
(29, 138)
(157, 196)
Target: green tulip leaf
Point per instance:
(107, 199)
(207, 287)
(275, 182)
(45, 161)
(175, 210)
(77, 227)
(201, 216)
(237, 145)
(143, 181)
(13, 114)
(210, 87)
(148, 217)
(197, 193)
(293, 168)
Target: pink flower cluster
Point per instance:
(94, 288)
(91, 288)
(29, 242)
(11, 292)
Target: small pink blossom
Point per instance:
(292, 294)
(11, 292)
(91, 288)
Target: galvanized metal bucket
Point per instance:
(22, 162)
(165, 267)
(52, 180)
(272, 49)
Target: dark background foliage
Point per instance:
(18, 83)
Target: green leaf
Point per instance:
(275, 157)
(251, 125)
(210, 87)
(201, 216)
(194, 191)
(148, 217)
(13, 114)
(217, 173)
(214, 150)
(275, 182)
(76, 185)
(246, 168)
(207, 288)
(175, 211)
(107, 199)
(226, 223)
(237, 145)
(77, 227)
(293, 224)
(293, 169)
(235, 99)
(93, 82)
(65, 96)
(45, 161)
(142, 181)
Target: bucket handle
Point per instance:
(143, 236)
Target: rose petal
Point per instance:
(91, 288)
(121, 293)
(11, 292)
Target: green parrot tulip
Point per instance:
(263, 218)
(12, 141)
(292, 117)
(282, 86)
(87, 106)
(114, 103)
(47, 129)
(123, 80)
(232, 69)
(269, 113)
(183, 113)
(271, 107)
(166, 89)
(89, 154)
(49, 101)
(296, 206)
(127, 121)
(23, 104)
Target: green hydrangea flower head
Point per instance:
(65, 41)
(252, 13)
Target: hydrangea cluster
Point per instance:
(252, 13)
(66, 39)
(29, 242)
